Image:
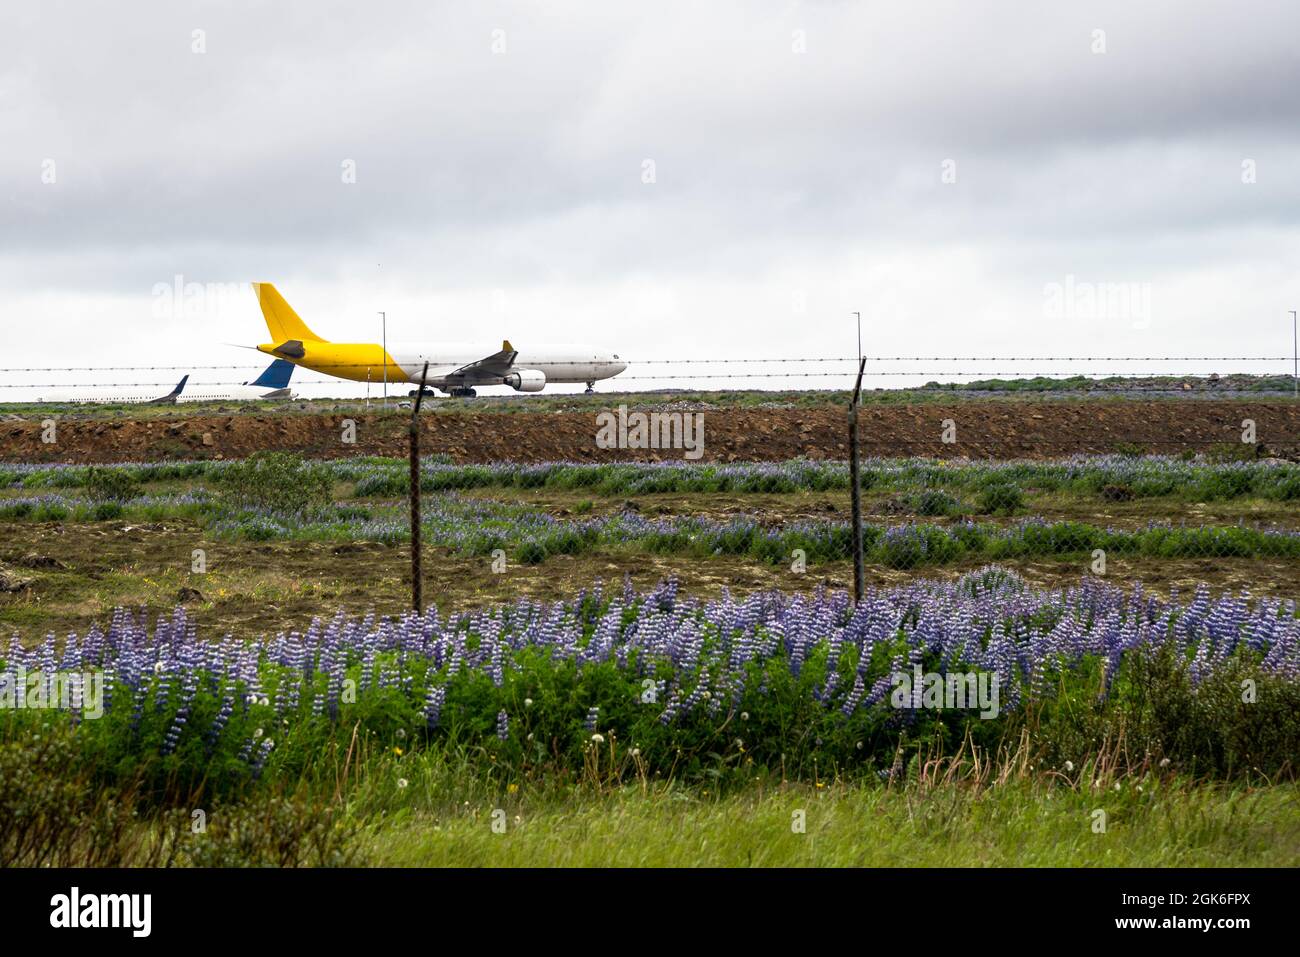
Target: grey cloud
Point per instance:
(523, 170)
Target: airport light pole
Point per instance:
(383, 320)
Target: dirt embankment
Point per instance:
(979, 430)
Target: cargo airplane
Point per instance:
(455, 369)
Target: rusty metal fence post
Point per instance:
(417, 579)
(855, 482)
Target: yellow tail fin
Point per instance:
(280, 317)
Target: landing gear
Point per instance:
(462, 393)
(414, 392)
(590, 389)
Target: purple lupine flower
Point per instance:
(222, 717)
(702, 655)
(263, 752)
(433, 705)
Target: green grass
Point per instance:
(1120, 384)
(525, 538)
(528, 534)
(1221, 476)
(366, 805)
(1021, 825)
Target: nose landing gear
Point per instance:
(590, 389)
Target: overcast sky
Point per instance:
(667, 180)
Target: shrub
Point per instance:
(532, 553)
(1117, 493)
(1231, 452)
(387, 483)
(278, 832)
(111, 485)
(903, 548)
(277, 482)
(52, 814)
(1225, 483)
(1156, 486)
(934, 502)
(1001, 498)
(105, 511)
(1285, 488)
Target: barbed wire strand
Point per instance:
(903, 373)
(723, 361)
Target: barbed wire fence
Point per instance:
(677, 373)
(1199, 499)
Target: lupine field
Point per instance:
(671, 644)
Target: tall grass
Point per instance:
(1188, 479)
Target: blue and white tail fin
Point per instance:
(276, 376)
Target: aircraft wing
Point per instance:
(490, 367)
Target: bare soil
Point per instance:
(73, 575)
(987, 429)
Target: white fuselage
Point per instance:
(561, 363)
(231, 393)
(90, 396)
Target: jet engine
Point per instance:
(526, 380)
